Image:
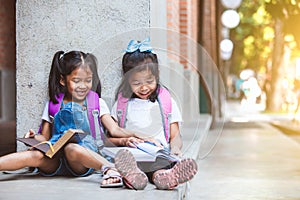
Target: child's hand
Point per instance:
(154, 141)
(176, 151)
(132, 141)
(29, 134)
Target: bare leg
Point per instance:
(19, 160)
(80, 158)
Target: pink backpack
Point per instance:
(93, 112)
(165, 104)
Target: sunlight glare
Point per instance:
(239, 119)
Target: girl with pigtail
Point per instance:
(73, 77)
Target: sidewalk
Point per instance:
(252, 160)
(289, 127)
(31, 187)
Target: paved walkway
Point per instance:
(31, 187)
(252, 160)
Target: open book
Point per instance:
(144, 152)
(69, 136)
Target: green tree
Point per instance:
(251, 37)
(283, 13)
(259, 42)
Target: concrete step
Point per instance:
(30, 186)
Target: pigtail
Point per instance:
(92, 63)
(124, 89)
(54, 86)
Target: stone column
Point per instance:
(45, 27)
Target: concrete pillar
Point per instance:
(191, 95)
(44, 27)
(158, 31)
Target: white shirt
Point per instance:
(103, 110)
(144, 116)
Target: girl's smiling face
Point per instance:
(78, 84)
(143, 83)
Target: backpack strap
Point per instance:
(165, 103)
(93, 114)
(122, 104)
(54, 108)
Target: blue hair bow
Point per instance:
(143, 46)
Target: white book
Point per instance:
(144, 152)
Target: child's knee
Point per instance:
(72, 151)
(37, 156)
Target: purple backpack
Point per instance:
(165, 104)
(93, 108)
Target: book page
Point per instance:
(138, 154)
(157, 151)
(148, 148)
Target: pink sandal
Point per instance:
(182, 172)
(133, 177)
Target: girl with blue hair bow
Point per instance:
(144, 97)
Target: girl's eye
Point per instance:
(89, 80)
(136, 83)
(76, 80)
(150, 81)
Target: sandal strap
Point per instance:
(112, 174)
(105, 169)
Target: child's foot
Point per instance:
(111, 178)
(182, 172)
(133, 177)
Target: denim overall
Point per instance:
(71, 115)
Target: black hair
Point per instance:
(63, 64)
(135, 62)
